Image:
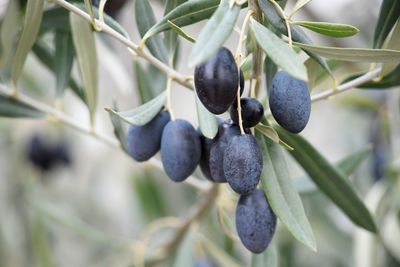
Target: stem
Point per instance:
(101, 10)
(179, 78)
(285, 18)
(110, 141)
(88, 5)
(343, 87)
(198, 214)
(169, 96)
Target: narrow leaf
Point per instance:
(388, 15)
(387, 82)
(63, 60)
(185, 14)
(268, 258)
(119, 130)
(219, 255)
(270, 133)
(145, 20)
(281, 193)
(207, 121)
(85, 48)
(13, 108)
(353, 54)
(329, 179)
(278, 51)
(8, 32)
(179, 31)
(393, 42)
(144, 113)
(171, 37)
(143, 85)
(270, 70)
(215, 32)
(32, 20)
(47, 58)
(299, 4)
(329, 29)
(185, 254)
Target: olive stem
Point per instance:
(169, 96)
(110, 141)
(179, 78)
(89, 7)
(101, 10)
(285, 18)
(238, 56)
(343, 87)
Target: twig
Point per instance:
(343, 87)
(179, 78)
(66, 120)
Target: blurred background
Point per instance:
(90, 209)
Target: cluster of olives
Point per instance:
(45, 156)
(232, 156)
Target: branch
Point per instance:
(343, 87)
(110, 141)
(179, 78)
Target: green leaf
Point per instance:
(329, 179)
(13, 108)
(273, 18)
(278, 51)
(329, 29)
(299, 4)
(179, 31)
(219, 255)
(215, 32)
(144, 113)
(387, 82)
(33, 18)
(393, 42)
(352, 54)
(63, 60)
(119, 130)
(86, 55)
(346, 165)
(185, 254)
(185, 14)
(145, 20)
(389, 14)
(47, 58)
(268, 258)
(270, 70)
(281, 193)
(270, 133)
(171, 37)
(207, 121)
(8, 32)
(143, 84)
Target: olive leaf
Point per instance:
(387, 82)
(32, 20)
(329, 29)
(13, 108)
(388, 15)
(299, 4)
(144, 113)
(171, 37)
(63, 60)
(8, 32)
(281, 193)
(185, 14)
(86, 55)
(179, 31)
(218, 254)
(184, 256)
(269, 258)
(270, 70)
(353, 54)
(119, 130)
(215, 32)
(143, 83)
(270, 132)
(145, 20)
(42, 52)
(278, 51)
(347, 165)
(329, 179)
(207, 121)
(393, 42)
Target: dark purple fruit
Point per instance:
(241, 82)
(290, 102)
(216, 81)
(226, 132)
(180, 149)
(112, 7)
(144, 141)
(255, 221)
(205, 157)
(243, 163)
(252, 112)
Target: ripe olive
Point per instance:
(252, 112)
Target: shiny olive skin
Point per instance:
(243, 163)
(144, 141)
(255, 221)
(290, 102)
(252, 112)
(217, 80)
(205, 157)
(180, 149)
